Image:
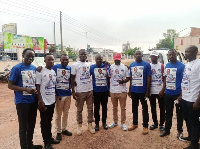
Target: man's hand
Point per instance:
(196, 106)
(39, 68)
(120, 81)
(129, 94)
(41, 106)
(161, 94)
(31, 91)
(147, 94)
(74, 95)
(179, 99)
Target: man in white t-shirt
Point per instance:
(81, 75)
(45, 84)
(119, 76)
(190, 94)
(156, 86)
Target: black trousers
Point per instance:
(192, 121)
(46, 118)
(135, 103)
(169, 105)
(100, 98)
(161, 103)
(27, 117)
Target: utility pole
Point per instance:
(61, 32)
(54, 32)
(174, 37)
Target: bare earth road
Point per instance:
(104, 139)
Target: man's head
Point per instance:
(154, 57)
(28, 55)
(50, 76)
(64, 59)
(82, 55)
(191, 52)
(116, 71)
(98, 59)
(100, 71)
(172, 55)
(117, 58)
(49, 60)
(63, 72)
(138, 55)
(29, 74)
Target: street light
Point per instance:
(174, 36)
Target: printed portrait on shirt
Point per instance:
(85, 71)
(137, 72)
(156, 74)
(62, 79)
(100, 76)
(170, 74)
(171, 78)
(51, 81)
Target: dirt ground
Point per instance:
(114, 138)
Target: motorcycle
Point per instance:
(4, 76)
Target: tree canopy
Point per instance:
(131, 51)
(167, 42)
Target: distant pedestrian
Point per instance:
(83, 90)
(45, 84)
(119, 76)
(140, 81)
(99, 72)
(25, 99)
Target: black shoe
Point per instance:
(154, 126)
(35, 146)
(164, 133)
(162, 128)
(48, 146)
(185, 139)
(67, 133)
(96, 127)
(59, 136)
(53, 141)
(105, 126)
(192, 147)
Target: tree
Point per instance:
(71, 54)
(167, 42)
(131, 51)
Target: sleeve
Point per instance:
(149, 72)
(14, 74)
(38, 77)
(55, 68)
(164, 74)
(73, 70)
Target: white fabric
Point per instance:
(47, 80)
(156, 78)
(118, 72)
(170, 74)
(191, 81)
(82, 72)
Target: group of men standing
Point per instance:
(170, 84)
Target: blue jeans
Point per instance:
(27, 117)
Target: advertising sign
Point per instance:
(10, 28)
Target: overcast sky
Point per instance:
(102, 24)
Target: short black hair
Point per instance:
(194, 48)
(63, 55)
(47, 54)
(23, 53)
(81, 50)
(172, 50)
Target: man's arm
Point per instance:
(129, 92)
(12, 85)
(161, 93)
(73, 86)
(40, 101)
(147, 94)
(196, 105)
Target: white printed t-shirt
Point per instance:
(82, 72)
(118, 72)
(156, 78)
(47, 80)
(191, 81)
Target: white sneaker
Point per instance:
(124, 127)
(113, 125)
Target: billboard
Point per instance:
(10, 28)
(12, 42)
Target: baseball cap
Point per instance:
(155, 53)
(117, 56)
